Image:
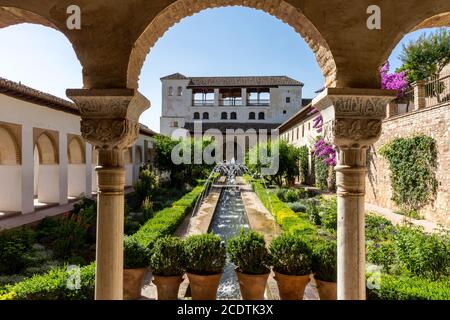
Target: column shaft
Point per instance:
(110, 224)
(27, 170)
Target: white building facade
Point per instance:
(43, 158)
(245, 105)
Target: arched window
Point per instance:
(196, 115)
(251, 116)
(179, 91)
(261, 116)
(224, 116)
(170, 91)
(233, 116)
(205, 115)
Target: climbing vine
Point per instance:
(303, 154)
(413, 163)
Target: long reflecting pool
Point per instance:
(229, 218)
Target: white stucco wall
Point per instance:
(48, 183)
(10, 188)
(76, 179)
(128, 175)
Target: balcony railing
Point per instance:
(230, 103)
(203, 103)
(423, 94)
(258, 103)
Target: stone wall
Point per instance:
(433, 122)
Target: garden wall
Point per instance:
(433, 122)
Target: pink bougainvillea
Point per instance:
(393, 81)
(321, 149)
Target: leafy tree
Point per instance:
(288, 163)
(426, 56)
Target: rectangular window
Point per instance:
(174, 124)
(298, 131)
(303, 130)
(288, 99)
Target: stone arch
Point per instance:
(75, 151)
(9, 147)
(47, 149)
(280, 9)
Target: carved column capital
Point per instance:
(353, 117)
(109, 117)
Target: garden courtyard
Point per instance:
(347, 199)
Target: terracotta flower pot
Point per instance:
(167, 286)
(132, 283)
(327, 290)
(252, 286)
(204, 287)
(291, 287)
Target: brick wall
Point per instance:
(433, 122)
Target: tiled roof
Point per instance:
(175, 76)
(249, 81)
(22, 92)
(147, 131)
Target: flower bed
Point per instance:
(54, 284)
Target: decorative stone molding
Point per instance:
(353, 117)
(110, 117)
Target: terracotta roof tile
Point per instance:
(241, 81)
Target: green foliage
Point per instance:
(70, 237)
(328, 214)
(382, 254)
(289, 220)
(16, 246)
(378, 228)
(147, 184)
(187, 172)
(412, 162)
(297, 206)
(263, 155)
(166, 221)
(426, 56)
(410, 288)
(324, 261)
(423, 254)
(168, 258)
(249, 253)
(205, 254)
(303, 160)
(54, 286)
(291, 255)
(321, 172)
(135, 255)
(87, 209)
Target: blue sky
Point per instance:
(225, 41)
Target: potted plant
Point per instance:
(205, 259)
(291, 260)
(167, 262)
(325, 269)
(249, 253)
(135, 263)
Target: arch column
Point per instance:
(352, 122)
(110, 122)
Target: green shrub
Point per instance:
(423, 254)
(70, 237)
(290, 255)
(328, 214)
(249, 253)
(381, 254)
(291, 196)
(205, 254)
(324, 261)
(16, 246)
(45, 230)
(297, 206)
(304, 163)
(54, 286)
(168, 257)
(321, 172)
(146, 185)
(378, 228)
(135, 255)
(313, 211)
(410, 288)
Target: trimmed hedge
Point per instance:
(410, 288)
(53, 285)
(288, 220)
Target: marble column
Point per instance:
(352, 122)
(110, 122)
